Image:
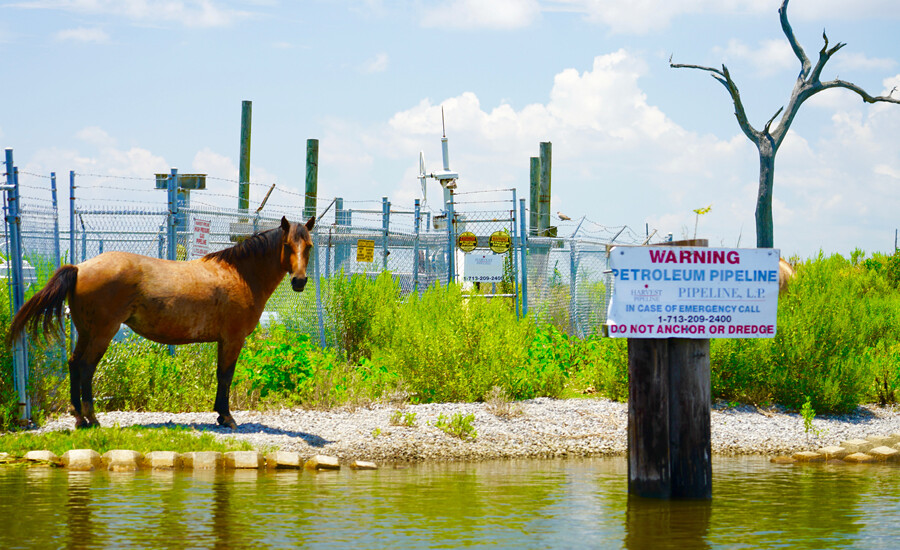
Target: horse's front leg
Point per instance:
(227, 359)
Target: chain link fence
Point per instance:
(560, 281)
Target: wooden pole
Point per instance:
(312, 178)
(669, 437)
(544, 197)
(535, 189)
(244, 168)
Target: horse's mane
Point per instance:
(255, 245)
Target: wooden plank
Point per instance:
(649, 474)
(690, 445)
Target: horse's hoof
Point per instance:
(227, 422)
(85, 424)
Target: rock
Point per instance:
(163, 460)
(858, 458)
(833, 452)
(44, 457)
(885, 454)
(323, 462)
(284, 460)
(857, 445)
(881, 440)
(782, 460)
(203, 460)
(244, 460)
(81, 460)
(808, 456)
(122, 461)
(363, 465)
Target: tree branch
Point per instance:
(724, 78)
(789, 33)
(824, 55)
(856, 89)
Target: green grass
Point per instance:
(140, 439)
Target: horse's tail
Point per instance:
(44, 310)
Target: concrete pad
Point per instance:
(885, 454)
(363, 465)
(857, 445)
(284, 460)
(240, 460)
(203, 460)
(782, 460)
(81, 460)
(119, 460)
(163, 460)
(833, 452)
(323, 462)
(859, 458)
(48, 457)
(808, 456)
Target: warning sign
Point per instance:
(500, 242)
(467, 241)
(365, 250)
(200, 240)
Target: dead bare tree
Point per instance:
(768, 140)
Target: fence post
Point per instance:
(418, 226)
(71, 246)
(171, 223)
(515, 262)
(524, 253)
(57, 258)
(573, 288)
(451, 251)
(14, 268)
(341, 219)
(172, 237)
(385, 228)
(319, 308)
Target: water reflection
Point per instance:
(82, 531)
(653, 524)
(536, 504)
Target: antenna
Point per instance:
(445, 177)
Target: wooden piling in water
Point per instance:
(669, 439)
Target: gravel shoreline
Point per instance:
(541, 428)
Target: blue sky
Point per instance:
(129, 88)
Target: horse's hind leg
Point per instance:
(88, 352)
(228, 353)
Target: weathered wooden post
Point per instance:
(312, 178)
(535, 189)
(544, 193)
(669, 301)
(244, 167)
(669, 440)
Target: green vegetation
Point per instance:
(459, 425)
(140, 439)
(838, 345)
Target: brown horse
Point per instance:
(218, 298)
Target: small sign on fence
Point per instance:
(365, 250)
(500, 242)
(467, 241)
(483, 268)
(687, 292)
(200, 238)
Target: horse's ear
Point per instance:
(285, 224)
(310, 223)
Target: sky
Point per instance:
(129, 88)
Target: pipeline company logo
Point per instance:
(646, 294)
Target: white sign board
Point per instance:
(689, 292)
(200, 238)
(483, 268)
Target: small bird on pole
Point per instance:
(563, 217)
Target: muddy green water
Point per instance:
(509, 504)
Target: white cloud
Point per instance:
(378, 64)
(849, 61)
(493, 14)
(190, 13)
(82, 34)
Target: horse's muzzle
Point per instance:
(298, 283)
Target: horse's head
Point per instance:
(296, 244)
